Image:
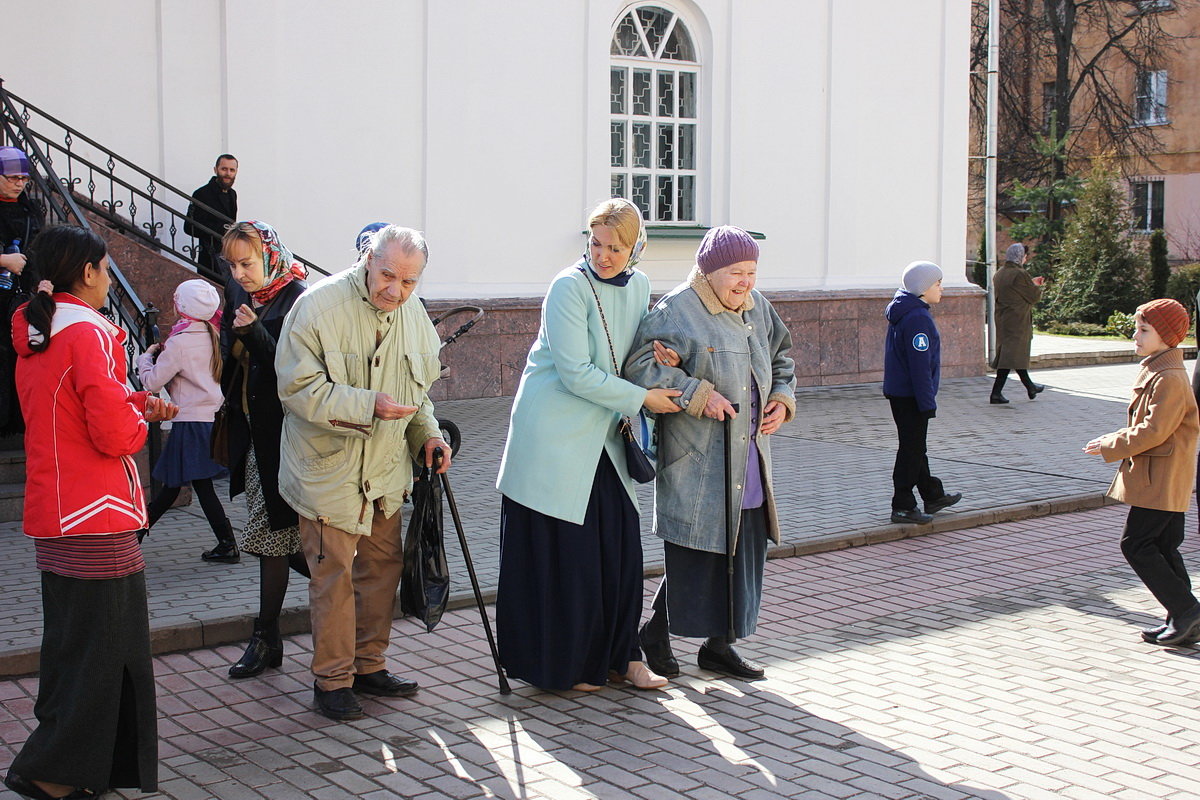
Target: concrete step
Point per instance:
(12, 501)
(12, 466)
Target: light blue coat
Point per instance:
(569, 401)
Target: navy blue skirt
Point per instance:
(185, 458)
(698, 583)
(570, 596)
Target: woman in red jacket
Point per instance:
(95, 707)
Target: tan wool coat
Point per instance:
(1157, 450)
(1016, 295)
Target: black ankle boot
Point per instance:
(226, 551)
(265, 650)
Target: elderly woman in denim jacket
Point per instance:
(733, 350)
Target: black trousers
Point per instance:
(1150, 543)
(911, 470)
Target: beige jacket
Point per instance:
(335, 352)
(1158, 449)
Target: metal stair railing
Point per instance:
(155, 216)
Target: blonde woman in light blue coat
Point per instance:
(570, 587)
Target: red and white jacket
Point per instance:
(83, 423)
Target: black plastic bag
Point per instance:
(425, 582)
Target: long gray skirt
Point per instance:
(697, 603)
(97, 718)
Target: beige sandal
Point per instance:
(586, 687)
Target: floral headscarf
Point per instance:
(279, 266)
(635, 253)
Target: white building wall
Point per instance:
(838, 130)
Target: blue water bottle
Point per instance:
(6, 277)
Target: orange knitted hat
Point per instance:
(1168, 317)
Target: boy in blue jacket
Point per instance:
(912, 363)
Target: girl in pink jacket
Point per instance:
(188, 364)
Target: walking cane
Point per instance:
(730, 523)
(462, 541)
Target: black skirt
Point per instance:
(569, 596)
(698, 600)
(97, 718)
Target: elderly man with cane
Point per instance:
(714, 505)
(355, 360)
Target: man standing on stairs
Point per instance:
(21, 218)
(206, 226)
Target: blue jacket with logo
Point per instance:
(912, 353)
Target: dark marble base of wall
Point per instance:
(837, 339)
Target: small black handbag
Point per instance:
(637, 460)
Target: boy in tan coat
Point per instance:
(1158, 468)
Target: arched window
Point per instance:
(653, 85)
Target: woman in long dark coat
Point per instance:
(265, 282)
(1016, 295)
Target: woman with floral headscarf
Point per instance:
(265, 282)
(570, 587)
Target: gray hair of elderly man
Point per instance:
(408, 240)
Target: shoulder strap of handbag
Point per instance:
(603, 321)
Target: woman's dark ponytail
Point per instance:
(59, 254)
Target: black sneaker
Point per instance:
(945, 501)
(912, 515)
(339, 704)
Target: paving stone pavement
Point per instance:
(832, 471)
(1001, 662)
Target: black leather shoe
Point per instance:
(1035, 390)
(226, 552)
(1151, 634)
(997, 399)
(659, 657)
(729, 663)
(27, 788)
(264, 650)
(945, 501)
(914, 515)
(385, 684)
(1185, 630)
(339, 704)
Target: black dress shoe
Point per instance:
(339, 704)
(27, 788)
(1035, 390)
(659, 657)
(997, 398)
(914, 515)
(385, 684)
(1185, 630)
(729, 663)
(945, 501)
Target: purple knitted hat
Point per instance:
(13, 161)
(724, 246)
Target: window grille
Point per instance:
(653, 104)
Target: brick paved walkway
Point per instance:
(832, 469)
(997, 662)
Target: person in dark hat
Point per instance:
(732, 349)
(1016, 295)
(1157, 451)
(912, 364)
(21, 219)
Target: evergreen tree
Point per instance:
(1160, 270)
(1099, 271)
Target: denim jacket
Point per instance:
(722, 350)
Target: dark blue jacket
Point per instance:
(912, 354)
